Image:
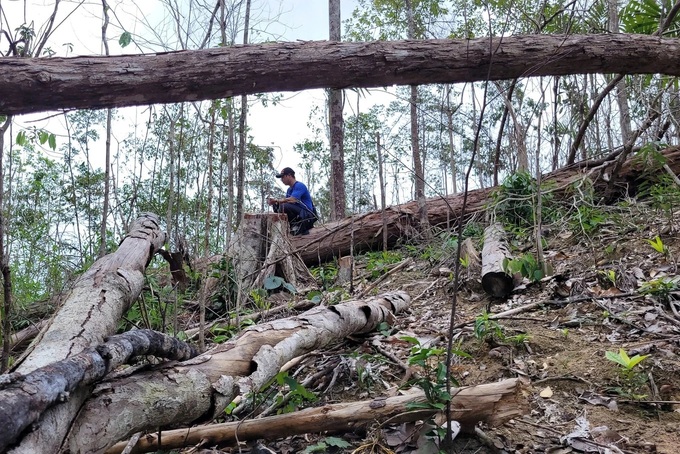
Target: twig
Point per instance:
(373, 285)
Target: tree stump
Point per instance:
(262, 248)
(495, 281)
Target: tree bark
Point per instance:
(201, 388)
(495, 281)
(90, 312)
(333, 239)
(493, 404)
(39, 84)
(23, 398)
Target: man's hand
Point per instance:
(271, 201)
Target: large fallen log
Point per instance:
(200, 389)
(493, 404)
(23, 398)
(333, 239)
(90, 313)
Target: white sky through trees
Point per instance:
(280, 126)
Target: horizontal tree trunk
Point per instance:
(39, 84)
(23, 398)
(493, 404)
(333, 239)
(202, 388)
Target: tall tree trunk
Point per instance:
(243, 136)
(621, 90)
(107, 168)
(337, 126)
(418, 168)
(449, 130)
(4, 259)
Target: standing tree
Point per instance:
(335, 104)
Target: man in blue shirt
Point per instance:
(297, 204)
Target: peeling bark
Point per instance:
(201, 388)
(23, 398)
(90, 313)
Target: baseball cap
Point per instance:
(285, 171)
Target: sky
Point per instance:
(280, 126)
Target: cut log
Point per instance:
(495, 280)
(493, 404)
(201, 388)
(90, 313)
(333, 239)
(23, 398)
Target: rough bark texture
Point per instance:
(23, 398)
(495, 281)
(493, 404)
(261, 248)
(89, 314)
(333, 239)
(201, 388)
(39, 84)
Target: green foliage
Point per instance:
(259, 298)
(297, 394)
(526, 265)
(644, 17)
(657, 244)
(378, 262)
(486, 328)
(661, 287)
(587, 219)
(326, 443)
(432, 379)
(631, 379)
(125, 39)
(274, 282)
(326, 273)
(512, 200)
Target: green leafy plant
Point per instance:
(378, 262)
(259, 298)
(661, 287)
(432, 376)
(657, 244)
(275, 282)
(631, 379)
(486, 328)
(327, 274)
(297, 394)
(519, 340)
(525, 265)
(609, 276)
(328, 442)
(588, 219)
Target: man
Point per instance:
(297, 204)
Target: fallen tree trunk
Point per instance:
(333, 239)
(23, 398)
(93, 82)
(90, 313)
(201, 388)
(493, 404)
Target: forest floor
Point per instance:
(610, 290)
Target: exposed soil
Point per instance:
(591, 304)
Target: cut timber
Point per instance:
(23, 398)
(261, 248)
(203, 387)
(333, 239)
(493, 404)
(345, 269)
(495, 281)
(90, 313)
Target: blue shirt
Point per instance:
(301, 193)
